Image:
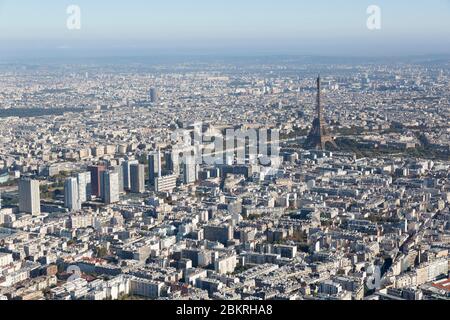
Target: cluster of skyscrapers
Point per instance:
(108, 182)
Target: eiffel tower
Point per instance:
(318, 137)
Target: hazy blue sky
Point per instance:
(328, 27)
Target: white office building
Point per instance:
(29, 196)
(110, 192)
(72, 200)
(84, 186)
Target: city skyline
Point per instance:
(244, 154)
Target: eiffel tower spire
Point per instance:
(319, 137)
(319, 105)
